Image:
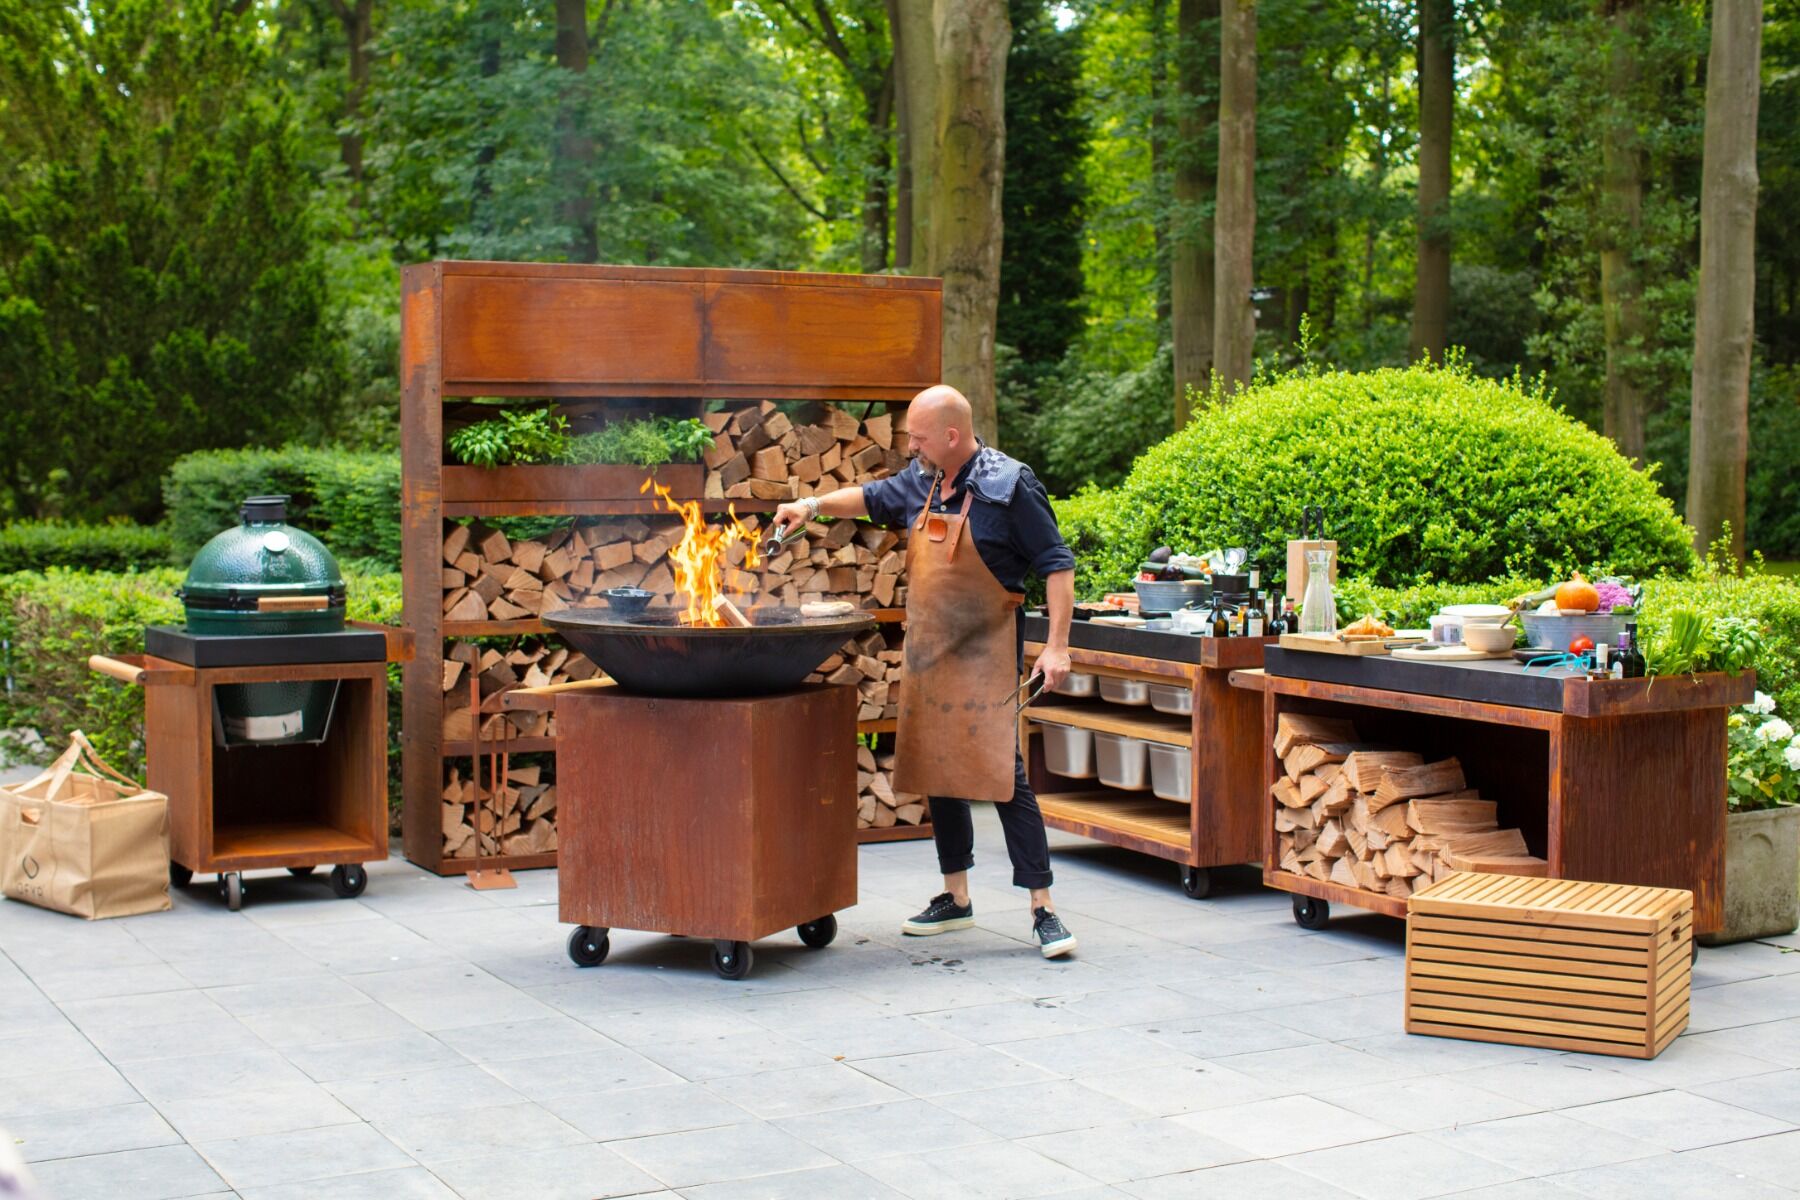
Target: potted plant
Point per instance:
(529, 454)
(1762, 830)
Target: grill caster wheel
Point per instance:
(732, 960)
(1196, 882)
(180, 876)
(349, 880)
(820, 933)
(301, 872)
(589, 946)
(1310, 913)
(231, 889)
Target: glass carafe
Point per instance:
(1318, 612)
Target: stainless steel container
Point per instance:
(1165, 597)
(1068, 751)
(1076, 684)
(1172, 698)
(1122, 761)
(1124, 691)
(1171, 772)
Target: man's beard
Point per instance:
(924, 460)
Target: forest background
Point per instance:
(204, 205)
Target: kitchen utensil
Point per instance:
(1075, 683)
(1159, 597)
(1446, 654)
(627, 600)
(1124, 691)
(1122, 761)
(1489, 637)
(1068, 751)
(1557, 630)
(1171, 773)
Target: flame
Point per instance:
(699, 557)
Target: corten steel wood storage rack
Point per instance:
(1613, 781)
(1221, 822)
(594, 337)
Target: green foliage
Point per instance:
(1082, 518)
(517, 437)
(1772, 488)
(162, 285)
(1424, 474)
(115, 546)
(1412, 606)
(1077, 423)
(349, 500)
(1762, 769)
(645, 443)
(54, 620)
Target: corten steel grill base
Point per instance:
(728, 819)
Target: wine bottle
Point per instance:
(1255, 620)
(1631, 659)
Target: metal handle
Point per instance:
(293, 603)
(124, 672)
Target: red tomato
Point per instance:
(1581, 645)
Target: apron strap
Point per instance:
(962, 521)
(925, 513)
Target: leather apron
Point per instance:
(957, 733)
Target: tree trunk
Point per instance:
(1234, 226)
(357, 18)
(903, 185)
(1437, 99)
(879, 110)
(574, 150)
(1159, 152)
(915, 77)
(972, 40)
(1621, 225)
(1191, 296)
(1724, 311)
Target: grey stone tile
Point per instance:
(42, 1136)
(442, 1137)
(883, 1130)
(734, 1054)
(651, 1024)
(211, 968)
(1119, 1152)
(299, 1155)
(212, 1074)
(525, 1039)
(990, 1171)
(1686, 1064)
(1028, 1109)
(941, 1072)
(62, 1048)
(1322, 1065)
(1775, 1095)
(609, 1069)
(583, 1172)
(1678, 1120)
(1670, 1175)
(1430, 1102)
(374, 1058)
(1408, 1167)
(876, 1037)
(1285, 1125)
(798, 1090)
(409, 1183)
(1543, 1143)
(1770, 1159)
(730, 1152)
(449, 997)
(309, 992)
(1095, 1052)
(1136, 1005)
(1776, 1042)
(643, 1112)
(64, 1091)
(417, 1093)
(218, 1032)
(1166, 1091)
(819, 1183)
(1235, 1181)
(1554, 1083)
(1518, 1189)
(1224, 1034)
(1330, 1020)
(1009, 1021)
(250, 1112)
(152, 1008)
(1434, 1054)
(365, 947)
(100, 982)
(158, 1173)
(290, 1027)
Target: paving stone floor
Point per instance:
(427, 1040)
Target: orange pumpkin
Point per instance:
(1577, 594)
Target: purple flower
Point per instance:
(1612, 595)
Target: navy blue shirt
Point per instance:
(1010, 518)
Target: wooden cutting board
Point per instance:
(1449, 654)
(1329, 643)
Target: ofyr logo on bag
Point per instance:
(30, 866)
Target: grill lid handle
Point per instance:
(292, 603)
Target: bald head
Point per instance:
(941, 428)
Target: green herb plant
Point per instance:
(646, 443)
(518, 437)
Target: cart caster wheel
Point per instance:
(349, 880)
(231, 889)
(301, 872)
(180, 876)
(732, 960)
(820, 933)
(1694, 953)
(1196, 882)
(1310, 913)
(588, 946)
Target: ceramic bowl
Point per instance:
(1488, 638)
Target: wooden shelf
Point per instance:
(1141, 823)
(235, 846)
(1128, 721)
(534, 744)
(505, 862)
(886, 725)
(1335, 893)
(895, 833)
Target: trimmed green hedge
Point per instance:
(350, 500)
(1424, 474)
(117, 546)
(53, 620)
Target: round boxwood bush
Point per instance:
(1428, 473)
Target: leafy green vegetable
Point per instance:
(646, 443)
(518, 437)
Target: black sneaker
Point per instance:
(1053, 936)
(940, 916)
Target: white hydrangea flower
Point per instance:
(1775, 730)
(1763, 703)
(1792, 754)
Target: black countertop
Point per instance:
(1122, 639)
(1488, 681)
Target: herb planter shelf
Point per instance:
(574, 485)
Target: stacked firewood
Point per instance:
(530, 663)
(1381, 820)
(878, 805)
(517, 819)
(872, 663)
(839, 560)
(762, 453)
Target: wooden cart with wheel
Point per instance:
(290, 807)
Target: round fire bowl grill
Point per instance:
(653, 654)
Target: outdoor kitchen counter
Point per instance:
(1220, 820)
(1612, 781)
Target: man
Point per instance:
(977, 523)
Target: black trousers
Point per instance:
(1020, 820)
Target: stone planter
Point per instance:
(1762, 875)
